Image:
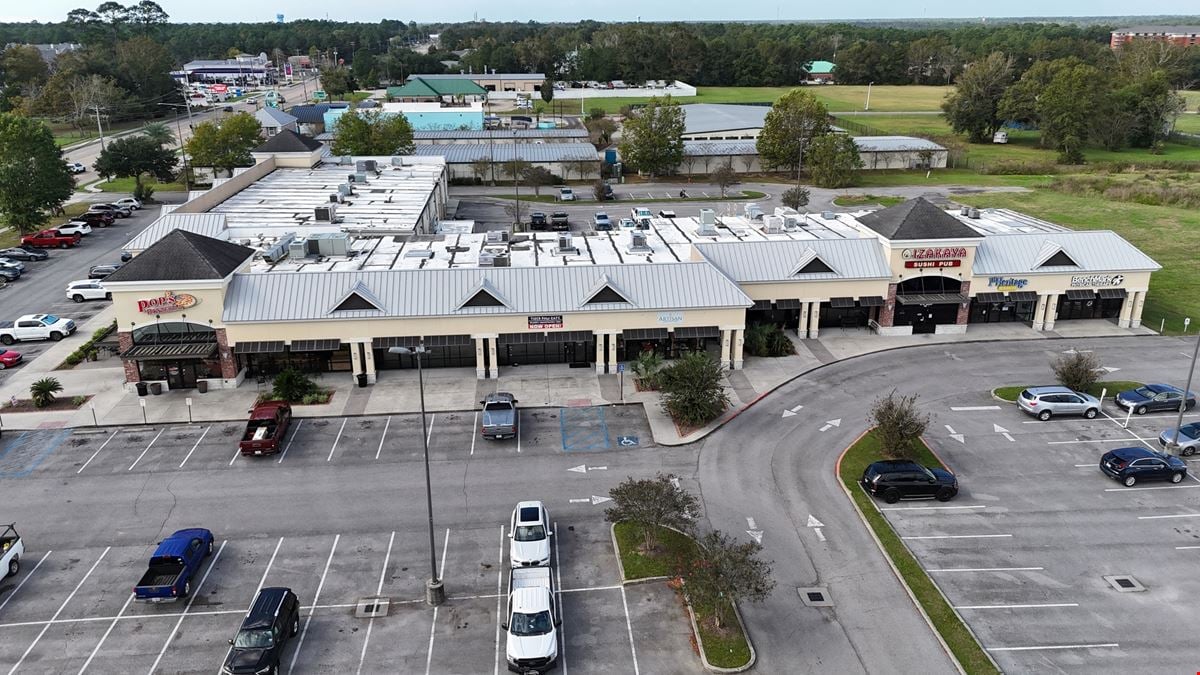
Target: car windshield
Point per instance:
(1190, 430)
(1144, 392)
(531, 624)
(50, 318)
(498, 405)
(530, 533)
(253, 639)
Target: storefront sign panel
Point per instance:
(1092, 280)
(167, 302)
(670, 317)
(926, 264)
(934, 253)
(543, 321)
(1007, 283)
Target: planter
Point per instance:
(156, 388)
(202, 386)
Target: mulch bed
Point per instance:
(61, 403)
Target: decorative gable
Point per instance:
(605, 291)
(359, 297)
(483, 295)
(811, 263)
(1053, 255)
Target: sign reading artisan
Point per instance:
(937, 256)
(167, 302)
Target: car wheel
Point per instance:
(1188, 451)
(14, 566)
(2, 366)
(1090, 413)
(891, 495)
(295, 625)
(1177, 476)
(62, 245)
(1141, 410)
(210, 548)
(187, 589)
(1129, 481)
(1182, 407)
(7, 339)
(56, 336)
(1044, 415)
(77, 297)
(108, 296)
(945, 495)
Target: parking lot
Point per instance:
(1030, 550)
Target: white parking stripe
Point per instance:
(139, 457)
(629, 630)
(988, 569)
(287, 447)
(61, 607)
(106, 442)
(316, 599)
(959, 536)
(378, 450)
(973, 408)
(188, 606)
(378, 591)
(336, 440)
(499, 588)
(558, 585)
(1157, 487)
(441, 575)
(1176, 515)
(106, 633)
(933, 508)
(1041, 647)
(1102, 440)
(27, 577)
(1186, 548)
(474, 426)
(198, 442)
(1059, 604)
(429, 431)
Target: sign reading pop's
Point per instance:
(167, 302)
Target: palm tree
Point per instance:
(160, 133)
(42, 392)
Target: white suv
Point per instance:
(75, 227)
(529, 530)
(87, 289)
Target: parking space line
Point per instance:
(198, 441)
(499, 589)
(108, 632)
(1175, 515)
(289, 443)
(518, 432)
(61, 607)
(139, 457)
(1103, 440)
(1039, 647)
(1186, 548)
(338, 439)
(629, 630)
(558, 585)
(1157, 487)
(429, 431)
(102, 445)
(933, 508)
(188, 606)
(378, 591)
(474, 426)
(988, 569)
(1047, 605)
(316, 599)
(441, 576)
(589, 589)
(378, 450)
(959, 536)
(27, 577)
(974, 408)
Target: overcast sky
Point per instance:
(608, 10)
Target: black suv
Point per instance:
(537, 220)
(96, 218)
(894, 479)
(273, 619)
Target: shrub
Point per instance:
(292, 385)
(74, 358)
(795, 197)
(1019, 167)
(42, 392)
(646, 369)
(314, 398)
(1077, 370)
(767, 339)
(78, 400)
(898, 424)
(693, 389)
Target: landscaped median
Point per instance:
(1010, 394)
(720, 635)
(949, 625)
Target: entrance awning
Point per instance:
(1112, 293)
(389, 342)
(841, 303)
(989, 297)
(931, 299)
(316, 345)
(787, 303)
(187, 350)
(761, 304)
(871, 301)
(645, 334)
(697, 332)
(1081, 295)
(520, 338)
(569, 336)
(447, 340)
(268, 347)
(1023, 296)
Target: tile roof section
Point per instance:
(1094, 251)
(767, 261)
(916, 219)
(184, 256)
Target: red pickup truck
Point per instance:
(50, 239)
(268, 424)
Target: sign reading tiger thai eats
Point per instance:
(167, 302)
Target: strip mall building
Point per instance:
(326, 264)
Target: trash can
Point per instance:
(142, 388)
(362, 379)
(156, 388)
(202, 386)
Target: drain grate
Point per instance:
(372, 607)
(815, 597)
(1123, 583)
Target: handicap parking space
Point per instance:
(24, 452)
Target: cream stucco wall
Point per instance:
(1056, 283)
(208, 308)
(817, 290)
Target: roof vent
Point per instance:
(964, 211)
(638, 243)
(497, 236)
(974, 214)
(426, 254)
(829, 215)
(566, 245)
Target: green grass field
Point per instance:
(1109, 389)
(127, 185)
(838, 98)
(1188, 123)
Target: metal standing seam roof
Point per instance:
(894, 144)
(424, 87)
(772, 261)
(701, 118)
(207, 224)
(463, 134)
(273, 117)
(481, 76)
(1094, 251)
(465, 153)
(527, 290)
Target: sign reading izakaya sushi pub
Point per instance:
(167, 302)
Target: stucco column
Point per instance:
(802, 327)
(369, 362)
(964, 308)
(739, 339)
(887, 313)
(1051, 311)
(356, 364)
(1127, 309)
(726, 342)
(600, 369)
(612, 352)
(814, 320)
(494, 370)
(480, 346)
(1039, 313)
(1135, 321)
(229, 368)
(125, 343)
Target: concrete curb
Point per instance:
(700, 643)
(612, 532)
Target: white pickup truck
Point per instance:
(11, 550)
(36, 327)
(532, 621)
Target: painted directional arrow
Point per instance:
(791, 412)
(959, 438)
(756, 535)
(1109, 369)
(813, 522)
(583, 468)
(1001, 430)
(832, 423)
(600, 500)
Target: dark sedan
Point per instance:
(896, 479)
(27, 254)
(1129, 466)
(1155, 397)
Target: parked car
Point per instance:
(76, 167)
(559, 221)
(96, 218)
(273, 620)
(895, 479)
(627, 223)
(50, 239)
(537, 220)
(500, 418)
(22, 253)
(11, 550)
(529, 534)
(566, 194)
(169, 573)
(666, 213)
(1154, 397)
(1046, 402)
(129, 202)
(36, 327)
(608, 192)
(1187, 436)
(1129, 466)
(117, 211)
(601, 221)
(265, 429)
(87, 289)
(102, 271)
(9, 358)
(9, 274)
(75, 227)
(531, 644)
(640, 212)
(15, 264)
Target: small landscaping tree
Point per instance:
(795, 197)
(693, 389)
(646, 368)
(1077, 370)
(598, 190)
(726, 571)
(768, 339)
(292, 385)
(833, 161)
(537, 176)
(898, 424)
(42, 391)
(481, 168)
(723, 177)
(651, 503)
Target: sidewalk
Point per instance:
(457, 389)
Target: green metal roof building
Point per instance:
(419, 88)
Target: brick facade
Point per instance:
(125, 343)
(964, 308)
(229, 369)
(887, 313)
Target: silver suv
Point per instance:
(1046, 402)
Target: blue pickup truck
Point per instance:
(175, 561)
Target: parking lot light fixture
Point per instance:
(435, 592)
(1173, 446)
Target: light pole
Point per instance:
(179, 129)
(435, 592)
(868, 105)
(1174, 444)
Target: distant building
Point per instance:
(515, 82)
(50, 51)
(1184, 36)
(876, 152)
(427, 116)
(274, 120)
(567, 160)
(723, 121)
(420, 88)
(820, 71)
(244, 69)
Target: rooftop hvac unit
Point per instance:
(964, 211)
(566, 244)
(706, 229)
(350, 177)
(360, 165)
(974, 213)
(333, 244)
(497, 236)
(279, 250)
(708, 217)
(419, 253)
(637, 243)
(397, 161)
(747, 208)
(335, 198)
(360, 177)
(327, 213)
(345, 189)
(370, 165)
(298, 249)
(500, 261)
(772, 224)
(487, 260)
(829, 215)
(792, 221)
(345, 159)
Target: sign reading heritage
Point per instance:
(926, 264)
(934, 253)
(167, 302)
(1007, 283)
(544, 321)
(1089, 280)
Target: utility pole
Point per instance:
(99, 128)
